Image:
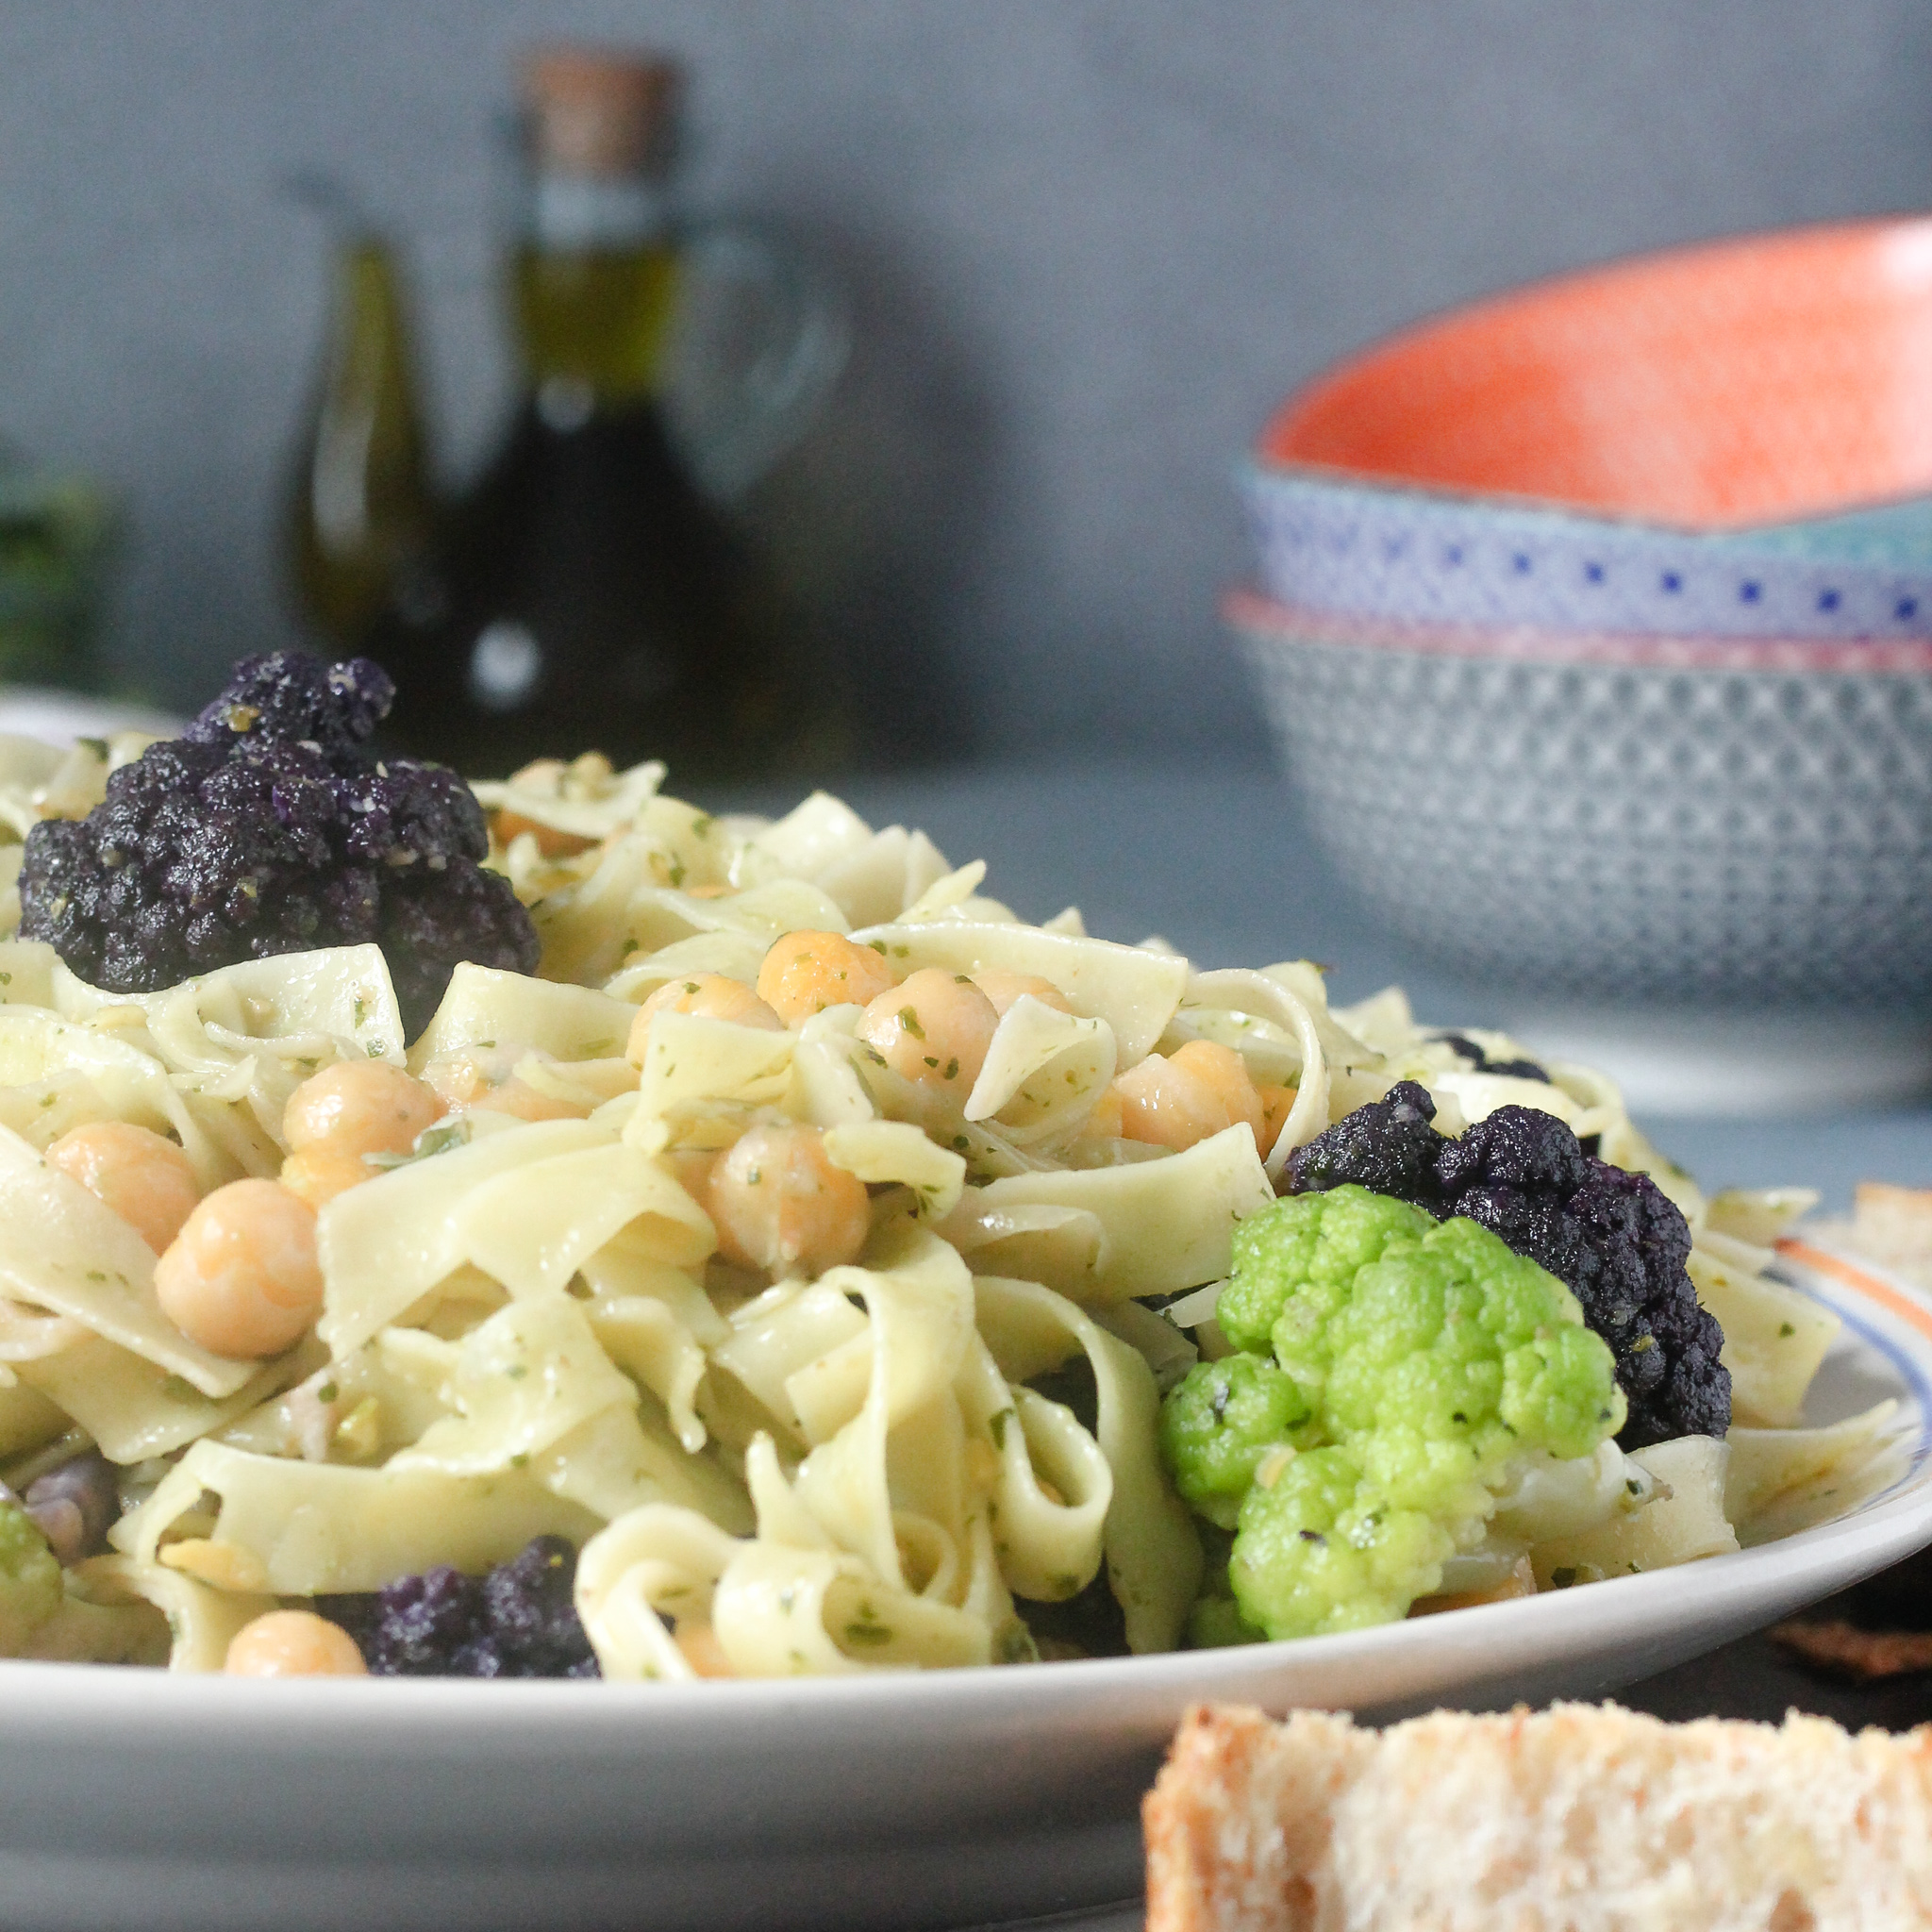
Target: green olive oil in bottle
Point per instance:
(585, 595)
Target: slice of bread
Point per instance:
(1583, 1818)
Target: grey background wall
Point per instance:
(1089, 242)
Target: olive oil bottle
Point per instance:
(584, 594)
(360, 512)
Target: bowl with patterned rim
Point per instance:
(1730, 439)
(1699, 821)
(1327, 543)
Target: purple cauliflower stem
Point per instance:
(1614, 1239)
(272, 826)
(517, 1620)
(75, 1505)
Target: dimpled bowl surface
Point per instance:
(1700, 822)
(139, 1800)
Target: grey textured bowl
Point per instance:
(1698, 822)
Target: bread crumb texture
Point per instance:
(1583, 1818)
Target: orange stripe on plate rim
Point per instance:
(1849, 1274)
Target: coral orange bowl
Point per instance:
(1763, 379)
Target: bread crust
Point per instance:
(1582, 1818)
(1238, 1823)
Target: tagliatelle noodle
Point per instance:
(201, 1621)
(135, 1408)
(27, 1419)
(537, 1224)
(1781, 1481)
(1134, 990)
(487, 1008)
(1043, 1071)
(387, 1243)
(1269, 999)
(304, 1529)
(1148, 1229)
(895, 1153)
(655, 1323)
(727, 951)
(919, 1307)
(1153, 1557)
(655, 1562)
(587, 805)
(29, 1334)
(531, 1387)
(691, 1058)
(1774, 1338)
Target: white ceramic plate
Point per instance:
(137, 1799)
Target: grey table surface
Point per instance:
(1218, 863)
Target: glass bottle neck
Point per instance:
(572, 213)
(593, 286)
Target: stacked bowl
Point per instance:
(1597, 637)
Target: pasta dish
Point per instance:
(806, 1265)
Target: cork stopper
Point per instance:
(600, 111)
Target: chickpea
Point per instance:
(1519, 1582)
(778, 1203)
(1276, 1104)
(585, 778)
(552, 841)
(1003, 987)
(806, 972)
(544, 777)
(522, 1101)
(293, 1643)
(934, 1027)
(141, 1176)
(359, 1107)
(692, 1166)
(702, 1649)
(1176, 1101)
(1226, 1073)
(711, 996)
(319, 1174)
(241, 1278)
(485, 1077)
(1107, 1116)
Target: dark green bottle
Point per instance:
(360, 513)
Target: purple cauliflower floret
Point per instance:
(1387, 1147)
(272, 826)
(1480, 1062)
(76, 1504)
(1614, 1239)
(518, 1620)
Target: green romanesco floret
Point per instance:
(1429, 1357)
(1324, 1548)
(29, 1578)
(1293, 1259)
(1219, 1423)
